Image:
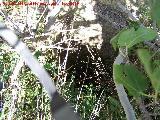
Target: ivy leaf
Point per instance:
(133, 80)
(155, 10)
(130, 37)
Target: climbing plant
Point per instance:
(141, 76)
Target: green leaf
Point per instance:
(151, 67)
(156, 80)
(156, 64)
(126, 37)
(136, 81)
(133, 80)
(145, 58)
(131, 37)
(145, 34)
(118, 73)
(48, 66)
(115, 39)
(155, 10)
(37, 54)
(114, 103)
(134, 24)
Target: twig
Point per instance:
(14, 89)
(153, 104)
(16, 27)
(97, 107)
(50, 19)
(57, 47)
(154, 114)
(145, 113)
(124, 9)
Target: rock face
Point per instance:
(93, 65)
(111, 15)
(112, 20)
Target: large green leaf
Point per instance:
(126, 37)
(118, 73)
(133, 80)
(115, 39)
(151, 67)
(155, 11)
(136, 81)
(130, 37)
(146, 60)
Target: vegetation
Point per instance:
(89, 57)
